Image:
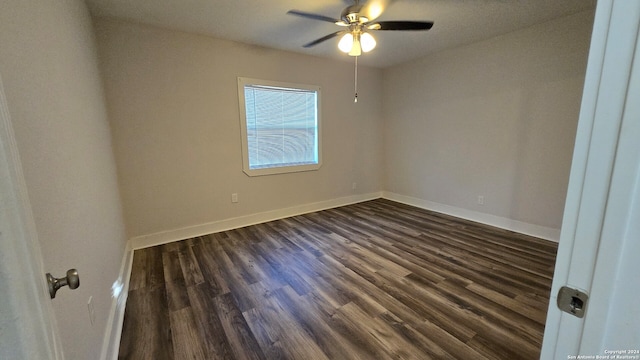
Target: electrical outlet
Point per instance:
(480, 200)
(234, 197)
(92, 311)
(354, 186)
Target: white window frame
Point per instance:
(242, 82)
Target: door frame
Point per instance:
(27, 320)
(605, 163)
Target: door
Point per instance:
(599, 243)
(27, 324)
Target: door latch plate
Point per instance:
(572, 301)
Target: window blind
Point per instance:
(282, 126)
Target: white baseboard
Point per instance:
(113, 330)
(164, 237)
(538, 231)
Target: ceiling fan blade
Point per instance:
(400, 25)
(324, 38)
(313, 16)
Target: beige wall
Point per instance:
(495, 118)
(49, 68)
(173, 105)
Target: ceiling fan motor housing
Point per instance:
(351, 15)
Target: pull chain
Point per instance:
(355, 99)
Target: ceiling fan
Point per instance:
(358, 20)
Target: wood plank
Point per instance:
(209, 267)
(176, 290)
(190, 268)
(242, 341)
(210, 330)
(333, 343)
(146, 332)
(186, 341)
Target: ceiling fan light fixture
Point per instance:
(346, 43)
(356, 49)
(367, 41)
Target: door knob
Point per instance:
(72, 280)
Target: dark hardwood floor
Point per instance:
(374, 280)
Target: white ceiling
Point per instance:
(266, 23)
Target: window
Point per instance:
(280, 126)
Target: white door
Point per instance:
(600, 241)
(27, 324)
